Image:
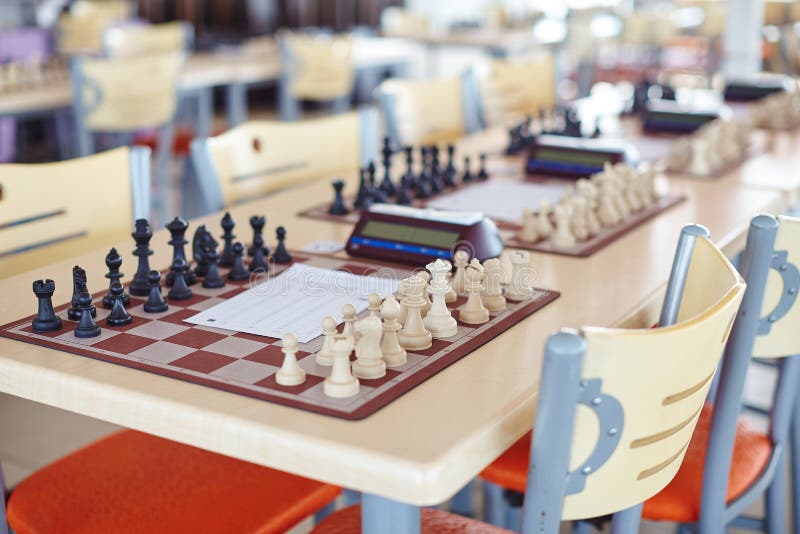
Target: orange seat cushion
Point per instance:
(348, 521)
(135, 482)
(180, 144)
(680, 500)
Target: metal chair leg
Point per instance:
(793, 451)
(461, 503)
(775, 500)
(627, 521)
(494, 507)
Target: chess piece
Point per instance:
(473, 311)
(589, 192)
(467, 177)
(337, 206)
(78, 287)
(449, 177)
(520, 287)
(259, 261)
(482, 174)
(492, 295)
(87, 327)
(226, 256)
(114, 262)
(607, 209)
(180, 289)
(155, 302)
(528, 233)
(403, 197)
(369, 359)
(257, 223)
(290, 373)
(374, 304)
(363, 198)
(387, 186)
(426, 277)
(460, 260)
(402, 291)
(349, 319)
(119, 316)
(562, 238)
(46, 319)
(142, 235)
(238, 271)
(212, 280)
(393, 354)
(414, 336)
(679, 154)
(451, 295)
(325, 354)
(578, 223)
(700, 164)
(177, 229)
(375, 193)
(544, 227)
(200, 241)
(281, 255)
(438, 320)
(341, 383)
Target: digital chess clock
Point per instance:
(669, 116)
(573, 157)
(416, 236)
(756, 87)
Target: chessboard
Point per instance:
(165, 344)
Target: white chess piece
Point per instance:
(439, 321)
(369, 359)
(341, 383)
(528, 233)
(401, 295)
(492, 295)
(562, 238)
(700, 164)
(618, 190)
(588, 190)
(451, 295)
(393, 354)
(607, 209)
(426, 276)
(290, 373)
(543, 226)
(520, 286)
(579, 226)
(631, 184)
(473, 311)
(679, 155)
(325, 354)
(374, 304)
(414, 336)
(460, 260)
(349, 318)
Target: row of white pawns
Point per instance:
(410, 320)
(604, 200)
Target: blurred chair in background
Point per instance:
(50, 211)
(401, 22)
(80, 31)
(259, 157)
(130, 40)
(317, 67)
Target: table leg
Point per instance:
(205, 113)
(236, 94)
(385, 516)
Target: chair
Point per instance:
(50, 211)
(143, 39)
(616, 408)
(402, 22)
(315, 67)
(423, 111)
(132, 482)
(256, 158)
(80, 31)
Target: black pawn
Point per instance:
(338, 207)
(78, 287)
(281, 255)
(177, 229)
(449, 177)
(119, 315)
(403, 197)
(482, 174)
(199, 242)
(467, 177)
(180, 289)
(114, 262)
(155, 302)
(257, 224)
(238, 272)
(142, 235)
(213, 279)
(46, 319)
(86, 327)
(226, 256)
(259, 262)
(363, 197)
(375, 193)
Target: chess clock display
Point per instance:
(574, 157)
(670, 116)
(415, 236)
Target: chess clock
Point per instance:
(670, 116)
(575, 157)
(416, 236)
(750, 88)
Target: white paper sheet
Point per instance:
(500, 200)
(295, 302)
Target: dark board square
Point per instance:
(202, 361)
(233, 292)
(137, 321)
(65, 326)
(195, 299)
(124, 343)
(270, 383)
(271, 355)
(195, 338)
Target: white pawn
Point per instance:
(473, 311)
(393, 354)
(325, 354)
(607, 209)
(349, 318)
(578, 222)
(528, 233)
(369, 360)
(492, 295)
(588, 190)
(374, 304)
(414, 336)
(520, 287)
(341, 383)
(460, 260)
(290, 373)
(562, 238)
(439, 321)
(631, 182)
(543, 226)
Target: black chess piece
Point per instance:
(46, 319)
(114, 262)
(573, 127)
(119, 316)
(363, 198)
(177, 230)
(482, 173)
(78, 287)
(435, 173)
(142, 235)
(86, 327)
(409, 175)
(387, 186)
(180, 289)
(423, 187)
(449, 177)
(337, 206)
(281, 255)
(257, 223)
(403, 196)
(238, 271)
(226, 256)
(155, 302)
(375, 193)
(467, 177)
(213, 279)
(514, 141)
(198, 251)
(259, 261)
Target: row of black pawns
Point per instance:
(147, 282)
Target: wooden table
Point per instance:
(422, 448)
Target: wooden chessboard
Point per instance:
(164, 344)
